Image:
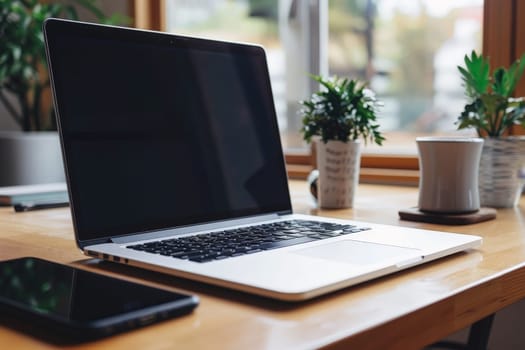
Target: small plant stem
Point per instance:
(26, 115)
(37, 92)
(11, 109)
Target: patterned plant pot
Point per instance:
(500, 183)
(338, 163)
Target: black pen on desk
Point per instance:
(20, 207)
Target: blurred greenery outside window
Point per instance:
(407, 50)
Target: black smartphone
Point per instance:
(64, 301)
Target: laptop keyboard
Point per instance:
(246, 240)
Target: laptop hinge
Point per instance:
(144, 236)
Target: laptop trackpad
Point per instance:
(360, 253)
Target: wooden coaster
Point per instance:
(414, 214)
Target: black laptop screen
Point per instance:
(161, 131)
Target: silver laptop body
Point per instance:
(175, 139)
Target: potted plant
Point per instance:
(338, 117)
(28, 157)
(492, 111)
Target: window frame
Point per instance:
(501, 19)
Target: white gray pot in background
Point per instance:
(30, 158)
(502, 160)
(338, 164)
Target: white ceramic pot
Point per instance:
(338, 164)
(30, 158)
(502, 160)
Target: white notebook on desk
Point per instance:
(50, 192)
(174, 164)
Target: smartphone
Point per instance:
(81, 305)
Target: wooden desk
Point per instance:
(406, 310)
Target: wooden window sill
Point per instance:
(375, 168)
(405, 177)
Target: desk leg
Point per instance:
(478, 338)
(479, 334)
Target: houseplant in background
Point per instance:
(337, 117)
(28, 157)
(492, 111)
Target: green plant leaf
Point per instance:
(475, 74)
(491, 111)
(515, 72)
(22, 54)
(501, 82)
(340, 111)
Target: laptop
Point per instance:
(174, 164)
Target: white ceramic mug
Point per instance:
(448, 179)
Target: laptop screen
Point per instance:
(162, 131)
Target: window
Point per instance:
(288, 30)
(409, 52)
(369, 39)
